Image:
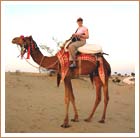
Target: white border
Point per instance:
(3, 134)
(63, 3)
(70, 135)
(2, 82)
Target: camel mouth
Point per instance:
(15, 41)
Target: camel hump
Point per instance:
(90, 49)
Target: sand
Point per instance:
(35, 104)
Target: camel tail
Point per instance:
(58, 79)
(105, 73)
(91, 79)
(104, 70)
(107, 67)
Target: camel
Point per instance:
(87, 68)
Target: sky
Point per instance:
(113, 25)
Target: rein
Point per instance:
(27, 60)
(28, 54)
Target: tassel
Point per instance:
(28, 54)
(101, 70)
(22, 52)
(32, 46)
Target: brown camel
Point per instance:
(87, 68)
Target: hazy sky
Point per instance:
(113, 25)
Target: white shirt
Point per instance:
(81, 30)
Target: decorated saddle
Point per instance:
(90, 49)
(87, 54)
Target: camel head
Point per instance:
(26, 44)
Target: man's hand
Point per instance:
(76, 35)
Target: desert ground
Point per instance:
(35, 104)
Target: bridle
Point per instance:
(29, 48)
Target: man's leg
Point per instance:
(72, 50)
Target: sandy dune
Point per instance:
(35, 104)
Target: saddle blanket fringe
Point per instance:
(64, 63)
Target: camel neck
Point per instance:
(44, 61)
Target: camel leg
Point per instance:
(106, 99)
(72, 99)
(98, 85)
(67, 102)
(69, 97)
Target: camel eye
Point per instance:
(14, 39)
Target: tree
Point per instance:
(133, 74)
(58, 42)
(47, 49)
(115, 73)
(125, 74)
(119, 74)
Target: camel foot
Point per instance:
(74, 120)
(101, 121)
(65, 125)
(87, 120)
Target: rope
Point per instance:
(48, 66)
(79, 67)
(30, 63)
(27, 60)
(40, 62)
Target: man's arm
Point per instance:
(85, 35)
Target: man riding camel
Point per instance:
(78, 39)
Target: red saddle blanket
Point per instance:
(64, 61)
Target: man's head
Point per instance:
(80, 21)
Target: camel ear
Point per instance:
(30, 37)
(22, 36)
